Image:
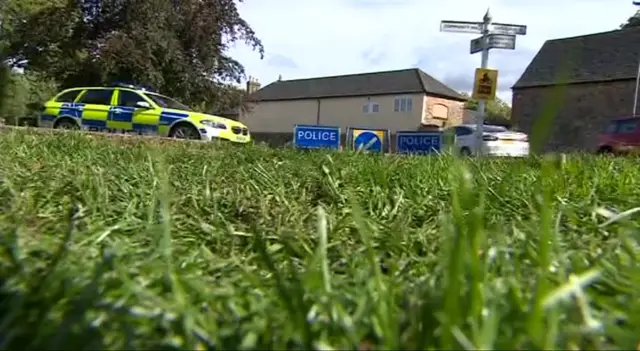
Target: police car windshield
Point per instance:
(166, 102)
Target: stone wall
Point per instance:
(582, 111)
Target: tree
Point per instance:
(633, 21)
(496, 111)
(175, 47)
(20, 91)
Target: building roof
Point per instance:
(599, 57)
(405, 81)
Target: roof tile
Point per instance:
(405, 81)
(589, 58)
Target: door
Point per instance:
(94, 104)
(126, 116)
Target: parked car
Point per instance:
(496, 141)
(620, 136)
(124, 108)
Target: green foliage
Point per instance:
(150, 244)
(633, 21)
(175, 47)
(21, 90)
(496, 111)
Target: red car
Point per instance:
(621, 136)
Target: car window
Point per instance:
(129, 98)
(462, 131)
(628, 126)
(97, 97)
(69, 96)
(166, 102)
(493, 129)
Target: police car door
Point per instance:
(95, 108)
(128, 116)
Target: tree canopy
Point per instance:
(178, 48)
(496, 111)
(633, 21)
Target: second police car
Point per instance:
(129, 109)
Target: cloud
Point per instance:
(279, 61)
(332, 37)
(373, 57)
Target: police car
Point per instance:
(124, 108)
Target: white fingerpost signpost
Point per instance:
(494, 36)
(635, 95)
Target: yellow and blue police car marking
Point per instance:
(369, 140)
(117, 119)
(125, 114)
(66, 109)
(168, 118)
(71, 110)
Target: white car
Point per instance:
(496, 141)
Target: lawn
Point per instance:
(168, 245)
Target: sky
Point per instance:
(314, 38)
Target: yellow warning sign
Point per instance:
(485, 84)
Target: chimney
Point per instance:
(252, 85)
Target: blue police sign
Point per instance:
(413, 142)
(311, 137)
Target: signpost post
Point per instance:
(494, 36)
(635, 95)
(313, 137)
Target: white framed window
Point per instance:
(371, 107)
(403, 104)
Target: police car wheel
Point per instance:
(185, 131)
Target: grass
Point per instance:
(150, 245)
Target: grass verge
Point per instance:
(144, 244)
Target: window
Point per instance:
(611, 128)
(97, 97)
(371, 107)
(128, 98)
(69, 96)
(622, 126)
(166, 102)
(403, 104)
(462, 131)
(628, 126)
(493, 129)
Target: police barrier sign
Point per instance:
(412, 142)
(373, 140)
(311, 137)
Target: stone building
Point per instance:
(574, 86)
